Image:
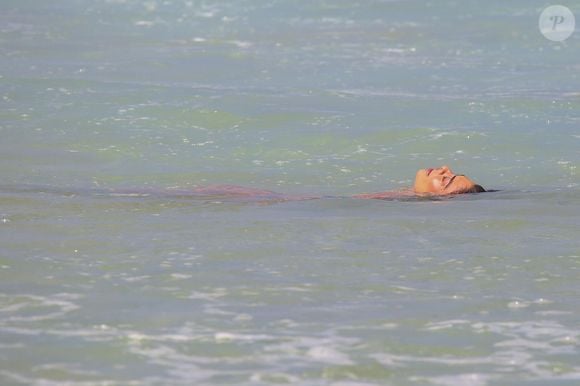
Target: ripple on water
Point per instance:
(33, 308)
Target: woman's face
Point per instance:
(442, 181)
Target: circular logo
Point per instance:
(557, 23)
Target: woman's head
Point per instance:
(442, 181)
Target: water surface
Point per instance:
(305, 98)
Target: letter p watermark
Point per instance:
(557, 23)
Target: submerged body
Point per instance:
(428, 182)
(431, 182)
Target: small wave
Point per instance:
(33, 308)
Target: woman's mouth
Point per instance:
(429, 171)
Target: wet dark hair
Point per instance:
(475, 189)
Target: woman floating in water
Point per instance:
(428, 182)
(436, 182)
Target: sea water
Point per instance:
(300, 97)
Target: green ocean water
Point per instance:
(318, 98)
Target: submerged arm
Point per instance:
(386, 195)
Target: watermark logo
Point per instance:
(557, 23)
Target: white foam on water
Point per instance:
(213, 295)
(177, 365)
(329, 350)
(134, 279)
(222, 337)
(395, 360)
(473, 379)
(446, 324)
(145, 23)
(524, 347)
(518, 304)
(553, 313)
(181, 276)
(240, 43)
(328, 355)
(71, 370)
(33, 308)
(274, 377)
